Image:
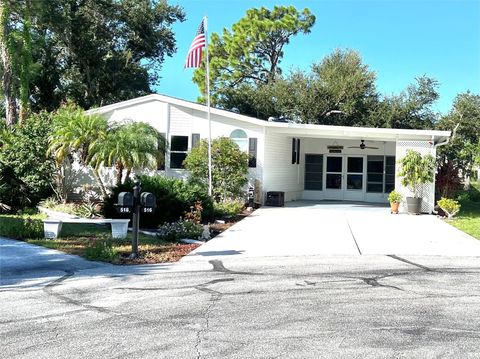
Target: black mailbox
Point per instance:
(125, 202)
(125, 199)
(148, 202)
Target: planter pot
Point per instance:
(394, 207)
(414, 205)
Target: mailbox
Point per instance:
(147, 200)
(125, 202)
(125, 199)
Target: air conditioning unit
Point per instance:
(275, 198)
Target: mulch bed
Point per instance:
(166, 254)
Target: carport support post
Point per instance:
(135, 219)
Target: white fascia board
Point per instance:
(357, 132)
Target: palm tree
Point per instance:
(129, 146)
(76, 133)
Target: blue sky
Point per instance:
(398, 39)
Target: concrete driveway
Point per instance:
(336, 228)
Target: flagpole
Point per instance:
(208, 110)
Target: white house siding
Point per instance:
(154, 113)
(279, 172)
(427, 190)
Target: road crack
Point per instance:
(215, 296)
(49, 289)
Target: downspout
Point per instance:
(436, 145)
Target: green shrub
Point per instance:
(174, 197)
(21, 226)
(102, 250)
(175, 231)
(25, 169)
(228, 208)
(472, 194)
(50, 203)
(449, 206)
(229, 167)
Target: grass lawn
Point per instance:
(94, 242)
(468, 220)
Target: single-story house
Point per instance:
(306, 162)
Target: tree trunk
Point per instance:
(96, 174)
(119, 168)
(7, 78)
(129, 171)
(26, 63)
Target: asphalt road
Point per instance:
(278, 307)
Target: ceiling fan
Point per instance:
(362, 146)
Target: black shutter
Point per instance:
(294, 152)
(252, 152)
(298, 151)
(161, 161)
(195, 139)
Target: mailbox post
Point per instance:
(135, 203)
(136, 218)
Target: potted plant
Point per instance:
(415, 171)
(394, 198)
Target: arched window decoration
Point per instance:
(240, 138)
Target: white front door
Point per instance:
(334, 178)
(344, 177)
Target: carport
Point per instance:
(337, 228)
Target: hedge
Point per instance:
(21, 226)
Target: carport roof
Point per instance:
(291, 129)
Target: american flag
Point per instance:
(194, 56)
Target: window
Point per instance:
(240, 138)
(389, 174)
(314, 172)
(178, 151)
(375, 174)
(380, 174)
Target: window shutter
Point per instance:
(195, 139)
(294, 152)
(161, 162)
(252, 152)
(298, 151)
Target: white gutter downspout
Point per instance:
(436, 145)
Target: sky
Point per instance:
(398, 39)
